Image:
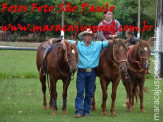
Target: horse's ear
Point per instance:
(140, 41)
(150, 40)
(76, 42)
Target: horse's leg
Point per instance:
(134, 94)
(104, 95)
(43, 82)
(53, 93)
(141, 86)
(132, 98)
(131, 95)
(66, 83)
(113, 95)
(93, 101)
(127, 93)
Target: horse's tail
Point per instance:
(136, 92)
(47, 80)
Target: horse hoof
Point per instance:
(44, 107)
(142, 110)
(54, 112)
(127, 104)
(93, 109)
(113, 114)
(64, 112)
(132, 106)
(128, 110)
(105, 113)
(50, 107)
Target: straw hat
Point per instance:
(81, 34)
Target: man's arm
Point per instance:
(110, 41)
(105, 43)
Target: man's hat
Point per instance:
(81, 34)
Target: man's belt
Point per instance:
(86, 70)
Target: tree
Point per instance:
(126, 12)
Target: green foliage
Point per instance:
(125, 11)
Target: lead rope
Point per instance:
(58, 64)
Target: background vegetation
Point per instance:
(125, 11)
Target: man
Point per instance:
(111, 24)
(89, 54)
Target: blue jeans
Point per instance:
(85, 81)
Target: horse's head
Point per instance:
(120, 53)
(144, 53)
(71, 56)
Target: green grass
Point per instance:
(21, 95)
(18, 64)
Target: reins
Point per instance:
(135, 61)
(132, 60)
(70, 73)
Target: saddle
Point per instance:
(47, 48)
(51, 42)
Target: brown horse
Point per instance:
(113, 60)
(61, 64)
(138, 59)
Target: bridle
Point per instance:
(117, 61)
(67, 61)
(140, 57)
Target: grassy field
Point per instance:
(21, 95)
